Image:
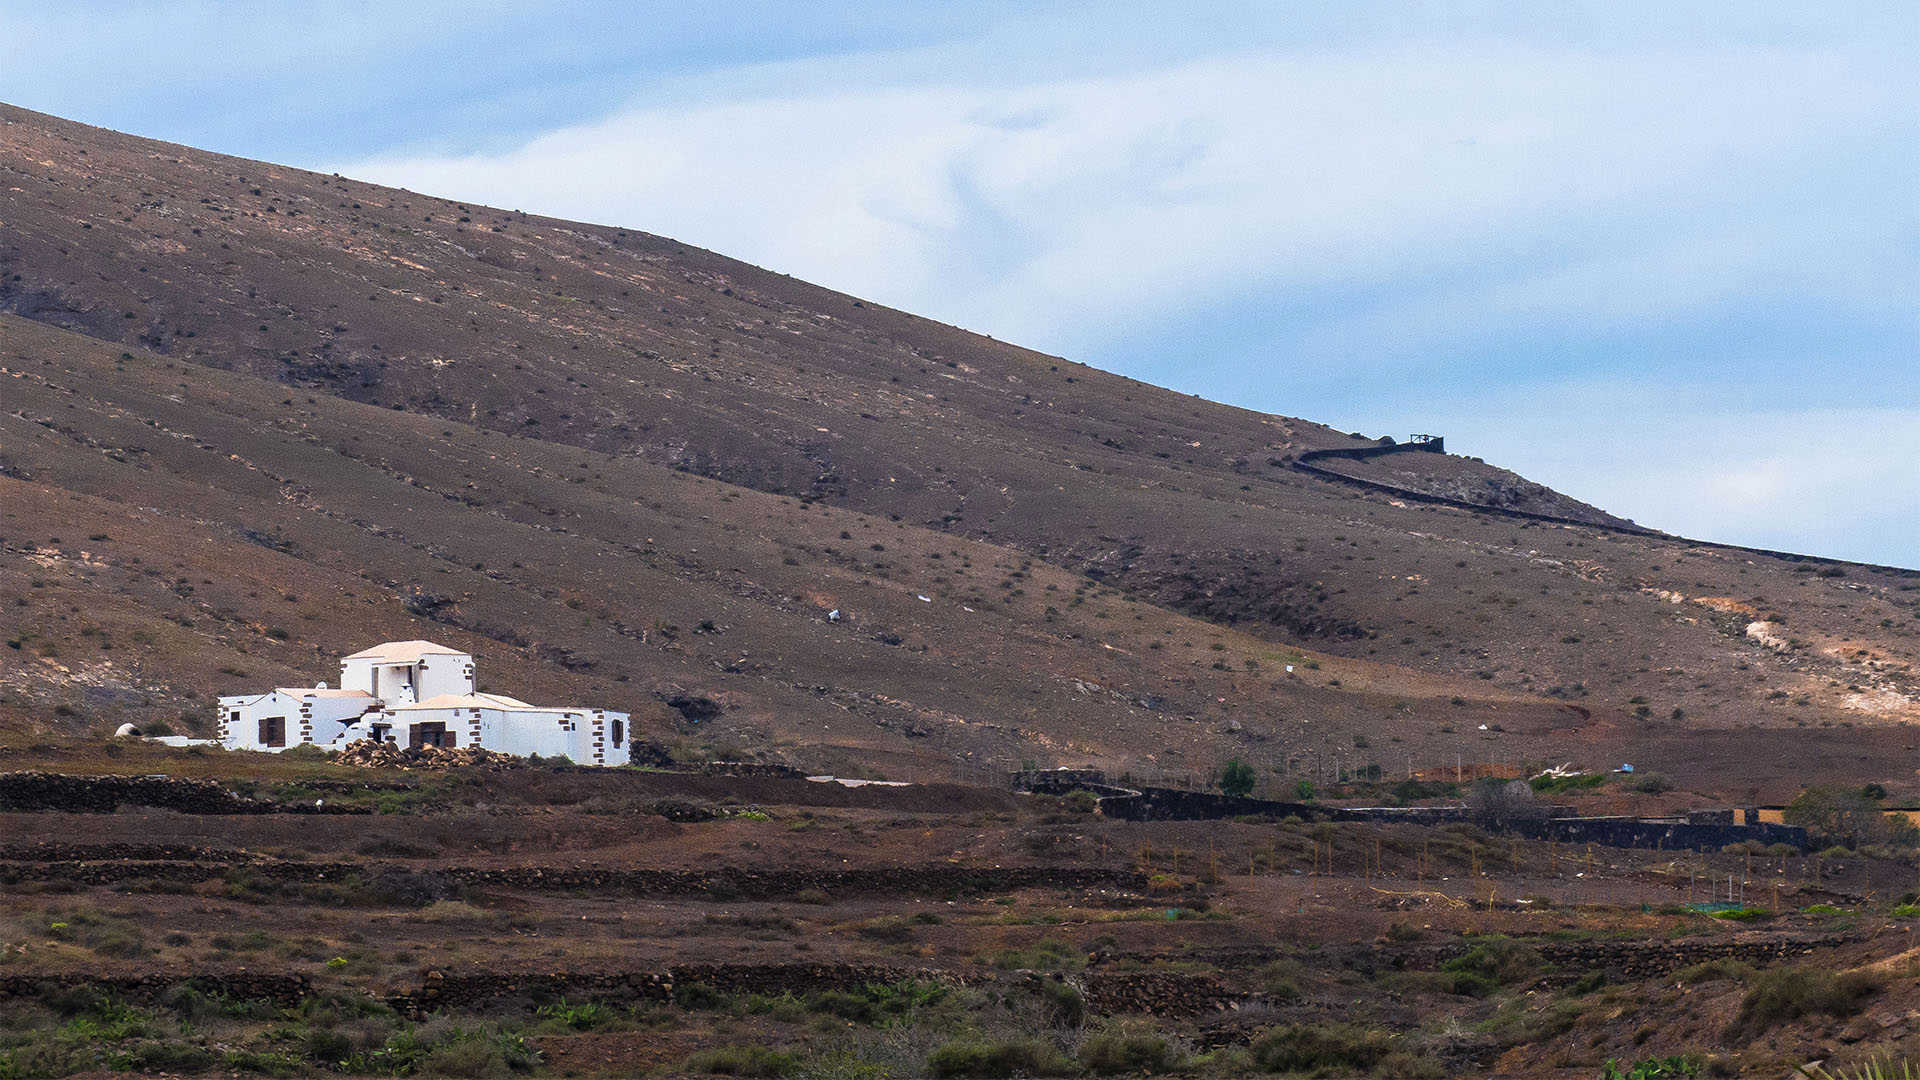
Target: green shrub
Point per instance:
(1280, 979)
(698, 996)
(1460, 983)
(1745, 914)
(1500, 959)
(123, 942)
(1064, 1001)
(1237, 778)
(1407, 1065)
(167, 1056)
(1663, 1068)
(1012, 1057)
(1736, 970)
(1564, 785)
(1308, 1048)
(586, 1016)
(1787, 993)
(870, 1004)
(1587, 984)
(1648, 783)
(753, 1061)
(1129, 1046)
(1080, 801)
(1052, 954)
(478, 1054)
(328, 1046)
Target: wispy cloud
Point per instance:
(1067, 213)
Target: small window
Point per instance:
(273, 731)
(430, 735)
(619, 733)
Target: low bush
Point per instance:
(585, 1016)
(698, 996)
(1647, 783)
(451, 911)
(1052, 954)
(1587, 984)
(1788, 993)
(752, 1061)
(1735, 970)
(1459, 983)
(1519, 1021)
(1329, 1048)
(1500, 960)
(1566, 785)
(1129, 1046)
(1011, 1057)
(871, 1003)
(1407, 1065)
(1280, 979)
(1064, 1001)
(1661, 1068)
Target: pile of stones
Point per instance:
(373, 755)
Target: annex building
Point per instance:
(418, 693)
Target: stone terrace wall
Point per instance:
(1666, 835)
(105, 794)
(1063, 781)
(1107, 993)
(722, 881)
(283, 990)
(1173, 804)
(1157, 993)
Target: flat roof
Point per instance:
(475, 701)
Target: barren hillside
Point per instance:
(628, 470)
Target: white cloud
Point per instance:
(1826, 481)
(1441, 194)
(1057, 212)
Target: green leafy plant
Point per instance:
(1237, 778)
(1653, 1068)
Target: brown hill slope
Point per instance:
(173, 532)
(647, 352)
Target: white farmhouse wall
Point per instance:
(295, 716)
(356, 674)
(413, 692)
(437, 675)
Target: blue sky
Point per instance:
(1664, 257)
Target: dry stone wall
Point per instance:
(46, 864)
(105, 794)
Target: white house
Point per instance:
(417, 693)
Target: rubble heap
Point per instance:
(369, 754)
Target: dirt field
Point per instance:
(559, 924)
